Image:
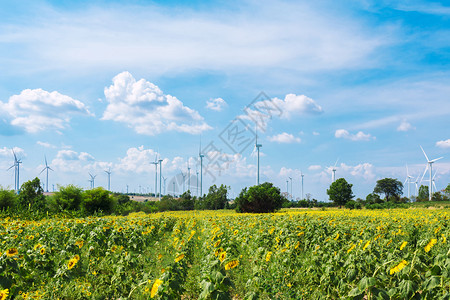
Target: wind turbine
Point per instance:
(164, 178)
(109, 178)
(16, 166)
(301, 174)
(156, 173)
(408, 179)
(201, 168)
(160, 176)
(257, 148)
(430, 163)
(333, 169)
(184, 181)
(46, 169)
(287, 187)
(92, 180)
(291, 188)
(189, 175)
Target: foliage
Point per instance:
(389, 187)
(97, 200)
(423, 193)
(32, 195)
(261, 198)
(340, 192)
(216, 198)
(8, 199)
(438, 196)
(302, 254)
(447, 190)
(351, 204)
(373, 198)
(69, 197)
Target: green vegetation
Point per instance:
(391, 188)
(261, 198)
(340, 192)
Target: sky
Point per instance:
(100, 85)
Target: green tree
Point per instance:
(447, 190)
(389, 187)
(32, 195)
(423, 193)
(373, 198)
(8, 199)
(69, 197)
(261, 198)
(216, 198)
(97, 200)
(340, 192)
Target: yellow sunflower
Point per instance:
(4, 294)
(12, 252)
(155, 287)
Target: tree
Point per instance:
(32, 195)
(389, 187)
(96, 200)
(423, 193)
(340, 192)
(69, 197)
(261, 198)
(8, 199)
(447, 190)
(373, 198)
(216, 198)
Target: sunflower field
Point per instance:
(295, 254)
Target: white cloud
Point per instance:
(443, 144)
(314, 167)
(363, 170)
(405, 126)
(7, 152)
(145, 108)
(37, 110)
(294, 105)
(315, 133)
(176, 40)
(45, 144)
(284, 138)
(216, 104)
(359, 136)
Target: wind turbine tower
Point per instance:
(257, 148)
(333, 177)
(16, 166)
(160, 176)
(201, 169)
(109, 178)
(408, 179)
(301, 174)
(156, 174)
(189, 175)
(46, 169)
(430, 164)
(92, 180)
(290, 178)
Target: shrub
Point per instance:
(69, 197)
(8, 199)
(97, 200)
(259, 199)
(32, 195)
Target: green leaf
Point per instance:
(431, 283)
(366, 283)
(356, 292)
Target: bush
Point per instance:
(353, 205)
(97, 200)
(8, 199)
(262, 198)
(69, 197)
(32, 195)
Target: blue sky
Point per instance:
(94, 85)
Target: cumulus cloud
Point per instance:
(363, 170)
(45, 144)
(314, 167)
(284, 138)
(265, 109)
(359, 136)
(144, 107)
(443, 144)
(67, 160)
(8, 152)
(405, 126)
(37, 110)
(316, 133)
(216, 104)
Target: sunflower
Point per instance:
(398, 267)
(268, 255)
(42, 251)
(403, 245)
(155, 287)
(222, 256)
(72, 263)
(179, 257)
(430, 245)
(232, 264)
(366, 245)
(4, 294)
(12, 252)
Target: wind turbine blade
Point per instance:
(336, 162)
(407, 171)
(424, 153)
(15, 157)
(11, 167)
(435, 189)
(436, 159)
(435, 172)
(405, 181)
(51, 169)
(426, 169)
(46, 161)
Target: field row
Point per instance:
(332, 254)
